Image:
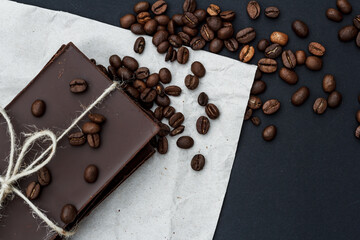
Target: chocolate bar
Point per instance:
(124, 143)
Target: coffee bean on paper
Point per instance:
(139, 45)
(38, 108)
(168, 111)
(183, 55)
(163, 101)
(198, 69)
(151, 27)
(68, 213)
(320, 105)
(158, 113)
(212, 111)
(137, 29)
(173, 90)
(191, 82)
(163, 145)
(198, 162)
(164, 130)
(165, 75)
(197, 43)
(202, 125)
(176, 120)
(253, 9)
(269, 133)
(91, 173)
(185, 142)
(130, 63)
(44, 176)
(300, 96)
(203, 99)
(176, 131)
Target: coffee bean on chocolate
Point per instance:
(300, 28)
(164, 130)
(139, 45)
(317, 49)
(246, 35)
(272, 12)
(192, 32)
(231, 44)
(176, 131)
(212, 111)
(334, 99)
(289, 76)
(200, 14)
(358, 40)
(33, 190)
(198, 162)
(214, 23)
(171, 27)
(334, 15)
(168, 112)
(91, 173)
(300, 96)
(189, 5)
(183, 55)
(115, 61)
(162, 100)
(152, 80)
(213, 10)
(262, 45)
(253, 9)
(127, 20)
(142, 6)
(356, 21)
(267, 65)
(357, 116)
(254, 102)
(159, 7)
(176, 120)
(300, 57)
(203, 99)
(226, 31)
(77, 139)
(165, 75)
(329, 83)
(158, 113)
(68, 213)
(175, 41)
(142, 73)
(344, 6)
(185, 142)
(148, 95)
(90, 128)
(248, 114)
(143, 17)
(216, 45)
(271, 106)
(273, 51)
(173, 90)
(258, 87)
(159, 37)
(280, 38)
(137, 29)
(78, 85)
(190, 20)
(163, 145)
(198, 69)
(258, 74)
(185, 38)
(320, 105)
(202, 125)
(96, 118)
(313, 63)
(44, 176)
(207, 33)
(347, 33)
(191, 82)
(38, 108)
(228, 15)
(269, 133)
(256, 120)
(246, 53)
(125, 74)
(93, 140)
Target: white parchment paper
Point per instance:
(165, 198)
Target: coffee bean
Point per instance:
(142, 73)
(76, 139)
(190, 20)
(91, 173)
(344, 6)
(300, 96)
(262, 45)
(289, 76)
(185, 38)
(202, 125)
(163, 20)
(171, 27)
(38, 108)
(159, 88)
(44, 176)
(139, 85)
(356, 21)
(258, 87)
(231, 44)
(300, 28)
(272, 12)
(158, 113)
(171, 54)
(163, 145)
(334, 15)
(183, 55)
(125, 74)
(198, 162)
(246, 53)
(191, 82)
(357, 132)
(130, 63)
(139, 45)
(258, 74)
(254, 102)
(163, 101)
(347, 33)
(313, 63)
(256, 120)
(159, 7)
(93, 140)
(132, 92)
(180, 129)
(177, 18)
(102, 69)
(147, 106)
(175, 40)
(200, 14)
(317, 49)
(226, 31)
(168, 112)
(173, 90)
(115, 61)
(213, 10)
(68, 213)
(203, 99)
(320, 105)
(358, 40)
(253, 9)
(273, 51)
(143, 17)
(148, 95)
(228, 15)
(164, 130)
(189, 5)
(300, 57)
(198, 69)
(112, 72)
(207, 33)
(216, 45)
(93, 61)
(185, 142)
(280, 38)
(159, 37)
(96, 118)
(165, 75)
(192, 32)
(271, 106)
(33, 190)
(248, 114)
(334, 99)
(267, 65)
(137, 29)
(212, 111)
(329, 83)
(269, 133)
(246, 35)
(214, 23)
(141, 7)
(288, 59)
(176, 120)
(357, 116)
(78, 86)
(161, 28)
(127, 20)
(152, 80)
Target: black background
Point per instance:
(306, 183)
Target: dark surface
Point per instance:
(304, 184)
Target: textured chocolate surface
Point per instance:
(126, 132)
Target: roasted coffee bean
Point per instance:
(231, 44)
(357, 132)
(143, 17)
(207, 33)
(273, 51)
(177, 18)
(280, 38)
(246, 35)
(191, 82)
(77, 139)
(358, 40)
(258, 74)
(152, 80)
(91, 173)
(163, 20)
(44, 176)
(163, 101)
(300, 57)
(269, 133)
(38, 108)
(163, 47)
(253, 9)
(248, 114)
(161, 28)
(137, 29)
(246, 53)
(189, 5)
(197, 43)
(171, 54)
(213, 10)
(185, 142)
(112, 72)
(203, 99)
(102, 69)
(272, 12)
(334, 99)
(164, 130)
(125, 74)
(96, 118)
(289, 76)
(214, 23)
(200, 14)
(202, 125)
(183, 55)
(267, 65)
(192, 32)
(288, 59)
(212, 111)
(93, 61)
(344, 6)
(142, 73)
(300, 96)
(256, 120)
(93, 140)
(159, 37)
(127, 20)
(168, 112)
(158, 113)
(78, 86)
(171, 27)
(175, 40)
(258, 87)
(226, 31)
(320, 105)
(228, 15)
(317, 49)
(163, 145)
(313, 63)
(185, 38)
(177, 131)
(159, 7)
(190, 20)
(159, 88)
(115, 61)
(254, 102)
(329, 83)
(68, 213)
(334, 15)
(141, 7)
(132, 92)
(139, 45)
(300, 28)
(151, 26)
(198, 69)
(165, 75)
(198, 162)
(356, 21)
(216, 45)
(33, 190)
(147, 106)
(357, 116)
(271, 106)
(347, 33)
(148, 95)
(173, 90)
(130, 63)
(176, 120)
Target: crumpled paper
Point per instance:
(164, 198)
